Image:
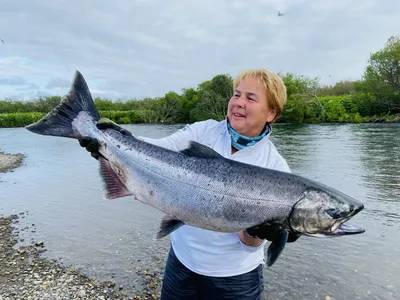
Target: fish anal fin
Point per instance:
(113, 186)
(196, 149)
(276, 247)
(168, 225)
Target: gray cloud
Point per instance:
(29, 87)
(58, 83)
(147, 48)
(12, 81)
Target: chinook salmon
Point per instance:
(199, 187)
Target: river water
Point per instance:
(60, 188)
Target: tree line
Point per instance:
(375, 97)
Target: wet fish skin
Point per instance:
(199, 187)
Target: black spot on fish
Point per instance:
(151, 193)
(119, 147)
(105, 146)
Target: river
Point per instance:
(61, 190)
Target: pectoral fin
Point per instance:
(276, 247)
(168, 225)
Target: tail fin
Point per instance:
(58, 121)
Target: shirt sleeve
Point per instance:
(277, 162)
(281, 165)
(177, 141)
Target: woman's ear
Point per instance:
(272, 113)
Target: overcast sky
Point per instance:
(139, 48)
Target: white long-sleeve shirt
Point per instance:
(208, 252)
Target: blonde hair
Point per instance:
(275, 88)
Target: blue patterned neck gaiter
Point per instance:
(240, 141)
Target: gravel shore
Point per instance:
(9, 162)
(26, 274)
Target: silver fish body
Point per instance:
(202, 188)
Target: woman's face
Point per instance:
(248, 109)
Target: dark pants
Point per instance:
(180, 283)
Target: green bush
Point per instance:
(19, 119)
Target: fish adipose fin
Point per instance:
(113, 186)
(58, 122)
(276, 247)
(168, 225)
(199, 150)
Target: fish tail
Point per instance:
(58, 122)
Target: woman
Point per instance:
(204, 264)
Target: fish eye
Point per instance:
(334, 213)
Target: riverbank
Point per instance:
(17, 120)
(24, 274)
(9, 162)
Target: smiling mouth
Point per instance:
(238, 115)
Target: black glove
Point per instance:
(92, 144)
(270, 232)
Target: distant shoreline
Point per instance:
(9, 162)
(387, 119)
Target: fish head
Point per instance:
(323, 213)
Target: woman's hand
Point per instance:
(248, 240)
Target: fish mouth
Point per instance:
(343, 228)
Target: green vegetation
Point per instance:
(373, 98)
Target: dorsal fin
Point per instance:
(198, 150)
